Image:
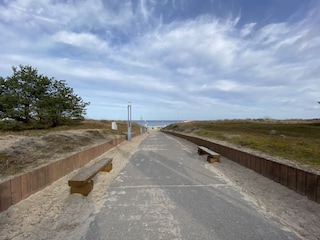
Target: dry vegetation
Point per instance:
(20, 151)
(295, 140)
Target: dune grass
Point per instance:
(25, 155)
(105, 125)
(295, 140)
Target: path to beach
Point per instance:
(55, 214)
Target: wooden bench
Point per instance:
(212, 156)
(82, 182)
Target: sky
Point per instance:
(172, 59)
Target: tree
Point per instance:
(21, 92)
(30, 97)
(61, 106)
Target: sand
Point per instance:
(55, 214)
(296, 212)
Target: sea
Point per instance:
(156, 123)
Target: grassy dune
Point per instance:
(105, 125)
(37, 146)
(294, 140)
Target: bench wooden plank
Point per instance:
(207, 150)
(87, 173)
(212, 156)
(82, 182)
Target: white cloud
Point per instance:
(271, 33)
(190, 71)
(125, 51)
(247, 29)
(227, 85)
(82, 40)
(192, 44)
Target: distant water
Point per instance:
(156, 123)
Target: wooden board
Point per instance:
(212, 156)
(81, 178)
(212, 159)
(208, 151)
(84, 190)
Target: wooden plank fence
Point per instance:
(22, 186)
(299, 180)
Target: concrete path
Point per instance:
(166, 192)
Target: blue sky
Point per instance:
(178, 59)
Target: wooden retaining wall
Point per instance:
(22, 186)
(301, 181)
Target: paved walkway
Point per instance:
(166, 192)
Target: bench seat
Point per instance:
(212, 156)
(82, 182)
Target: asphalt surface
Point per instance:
(166, 192)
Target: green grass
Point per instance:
(295, 140)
